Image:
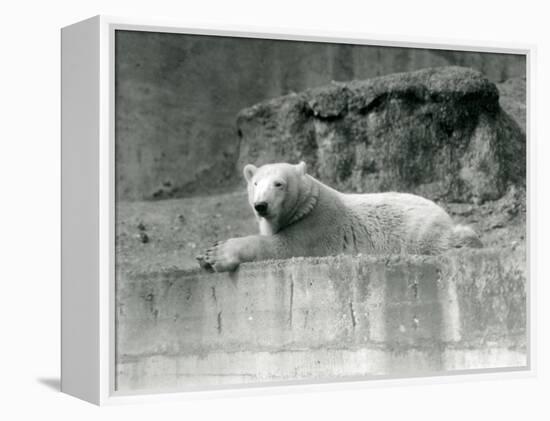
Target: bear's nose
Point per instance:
(261, 208)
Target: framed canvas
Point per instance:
(245, 210)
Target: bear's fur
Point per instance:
(299, 216)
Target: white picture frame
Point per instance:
(88, 197)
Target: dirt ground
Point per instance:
(159, 235)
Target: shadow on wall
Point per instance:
(177, 97)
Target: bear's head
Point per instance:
(278, 193)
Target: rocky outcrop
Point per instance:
(436, 132)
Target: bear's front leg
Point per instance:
(225, 256)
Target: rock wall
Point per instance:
(513, 99)
(177, 97)
(321, 318)
(439, 132)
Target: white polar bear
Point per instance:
(299, 216)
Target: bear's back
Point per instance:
(401, 222)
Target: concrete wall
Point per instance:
(177, 97)
(321, 318)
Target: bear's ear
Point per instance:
(249, 171)
(301, 167)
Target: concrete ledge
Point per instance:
(322, 318)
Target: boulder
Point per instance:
(437, 132)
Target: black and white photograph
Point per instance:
(290, 210)
(293, 211)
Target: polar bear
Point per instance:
(298, 216)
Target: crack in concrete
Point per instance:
(291, 300)
(219, 322)
(352, 312)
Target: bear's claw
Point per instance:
(218, 258)
(204, 263)
(208, 260)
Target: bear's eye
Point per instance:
(255, 183)
(278, 184)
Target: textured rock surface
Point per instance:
(437, 132)
(311, 319)
(177, 97)
(513, 99)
